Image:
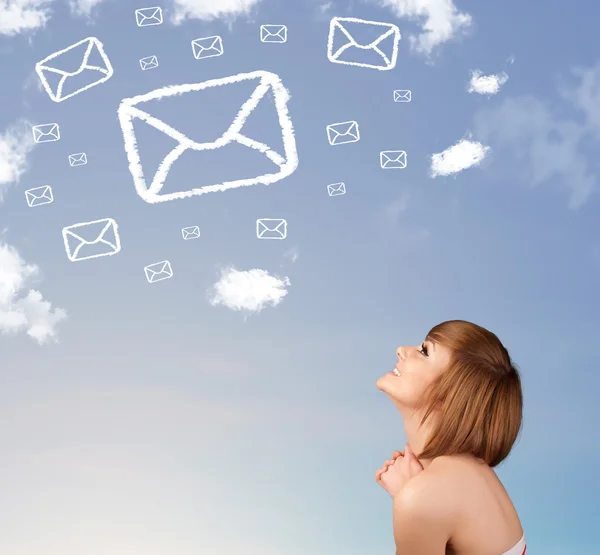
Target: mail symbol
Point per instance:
(91, 239)
(273, 33)
(134, 110)
(39, 196)
(150, 62)
(158, 271)
(271, 228)
(46, 133)
(336, 189)
(207, 47)
(144, 17)
(392, 159)
(402, 96)
(381, 53)
(192, 232)
(343, 133)
(79, 159)
(81, 75)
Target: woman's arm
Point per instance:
(421, 524)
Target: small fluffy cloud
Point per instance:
(209, 10)
(23, 309)
(15, 145)
(19, 16)
(250, 290)
(458, 157)
(486, 84)
(83, 7)
(440, 20)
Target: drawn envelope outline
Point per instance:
(43, 66)
(149, 62)
(128, 111)
(271, 228)
(72, 232)
(207, 47)
(145, 17)
(273, 33)
(39, 196)
(392, 159)
(158, 271)
(191, 232)
(402, 96)
(337, 25)
(46, 132)
(78, 159)
(343, 133)
(336, 189)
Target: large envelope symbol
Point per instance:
(342, 133)
(273, 33)
(39, 195)
(288, 162)
(345, 30)
(402, 96)
(207, 47)
(336, 189)
(271, 228)
(91, 239)
(393, 159)
(76, 78)
(158, 271)
(46, 132)
(148, 16)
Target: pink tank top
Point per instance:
(519, 549)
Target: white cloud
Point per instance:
(440, 20)
(15, 145)
(27, 312)
(486, 84)
(250, 290)
(19, 16)
(211, 9)
(549, 143)
(458, 157)
(292, 254)
(83, 7)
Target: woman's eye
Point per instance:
(423, 350)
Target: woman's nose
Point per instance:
(400, 353)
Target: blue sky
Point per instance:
(143, 418)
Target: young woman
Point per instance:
(459, 395)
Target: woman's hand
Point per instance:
(397, 472)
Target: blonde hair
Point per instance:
(478, 400)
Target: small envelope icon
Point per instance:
(381, 53)
(343, 133)
(81, 73)
(46, 133)
(145, 17)
(132, 110)
(192, 232)
(79, 159)
(207, 47)
(336, 189)
(158, 271)
(402, 96)
(149, 62)
(392, 159)
(273, 33)
(271, 228)
(39, 196)
(91, 239)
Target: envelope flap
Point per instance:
(69, 60)
(93, 232)
(360, 32)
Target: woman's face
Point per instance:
(418, 367)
